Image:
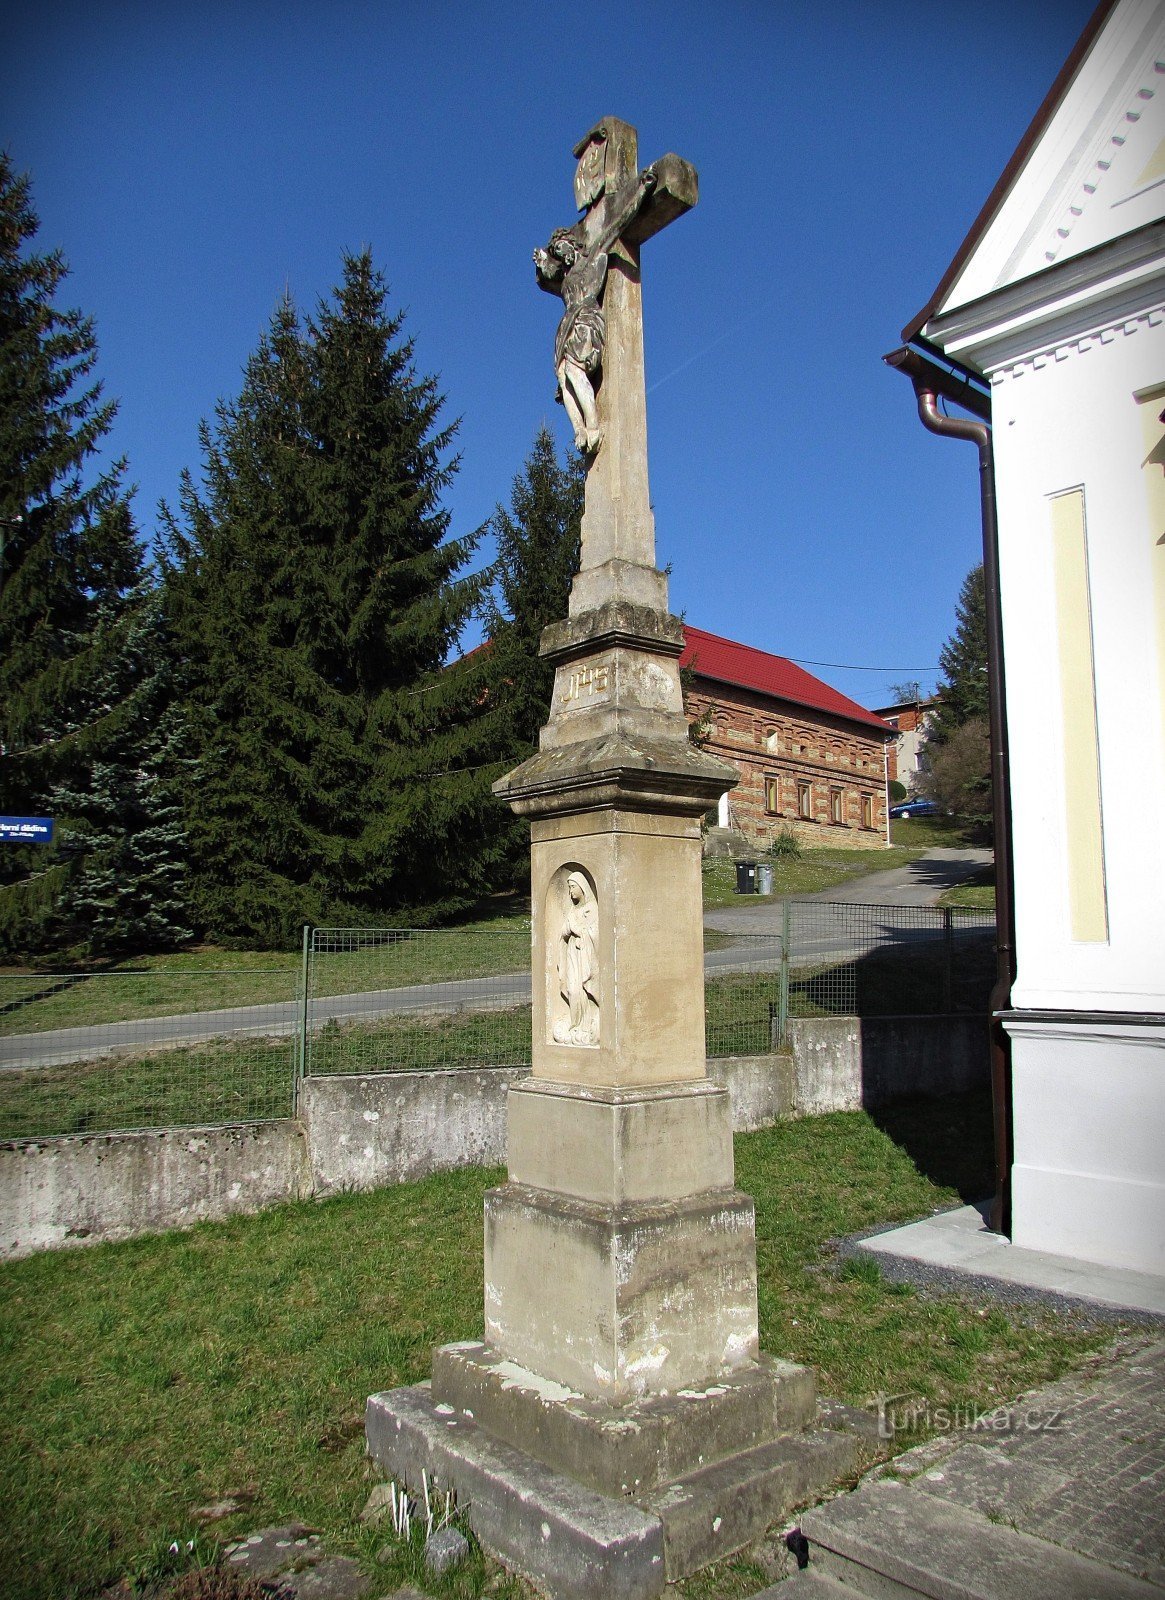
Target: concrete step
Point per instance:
(718, 1509)
(626, 1450)
(889, 1540)
(574, 1543)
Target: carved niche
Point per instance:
(572, 957)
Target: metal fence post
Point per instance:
(948, 960)
(301, 1039)
(783, 992)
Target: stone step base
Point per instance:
(576, 1543)
(710, 1513)
(624, 1450)
(889, 1540)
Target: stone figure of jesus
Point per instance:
(578, 966)
(579, 274)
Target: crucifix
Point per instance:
(617, 1426)
(598, 350)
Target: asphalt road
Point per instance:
(845, 922)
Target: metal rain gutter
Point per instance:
(931, 380)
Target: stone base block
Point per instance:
(576, 1543)
(573, 1542)
(617, 1302)
(719, 1509)
(620, 1146)
(630, 1449)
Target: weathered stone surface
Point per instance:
(272, 1550)
(619, 1146)
(576, 1543)
(625, 1450)
(446, 1548)
(378, 1504)
(333, 1578)
(760, 1088)
(621, 1302)
(62, 1192)
(616, 622)
(808, 1585)
(370, 1129)
(890, 1539)
(721, 1508)
(614, 769)
(649, 951)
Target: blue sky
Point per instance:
(192, 162)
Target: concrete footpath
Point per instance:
(1059, 1496)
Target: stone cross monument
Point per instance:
(618, 1426)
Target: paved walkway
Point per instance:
(920, 883)
(1061, 1493)
(956, 1249)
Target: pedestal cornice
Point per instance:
(591, 774)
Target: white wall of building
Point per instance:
(1061, 305)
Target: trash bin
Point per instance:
(746, 877)
(764, 879)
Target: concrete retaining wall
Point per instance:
(760, 1088)
(365, 1131)
(389, 1127)
(114, 1185)
(847, 1063)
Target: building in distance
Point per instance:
(911, 721)
(811, 760)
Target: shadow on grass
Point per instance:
(950, 1141)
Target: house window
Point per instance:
(805, 801)
(836, 808)
(772, 795)
(772, 743)
(867, 811)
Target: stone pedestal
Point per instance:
(617, 1427)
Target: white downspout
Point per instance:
(886, 782)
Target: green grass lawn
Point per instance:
(146, 1379)
(978, 891)
(810, 873)
(213, 979)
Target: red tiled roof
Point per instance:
(725, 661)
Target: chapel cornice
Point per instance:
(1102, 288)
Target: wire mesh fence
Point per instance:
(398, 999)
(102, 1052)
(158, 1048)
(878, 960)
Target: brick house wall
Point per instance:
(793, 759)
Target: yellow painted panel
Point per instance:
(1087, 901)
(1155, 168)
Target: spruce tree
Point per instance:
(956, 759)
(963, 692)
(69, 563)
(340, 769)
(537, 541)
(537, 555)
(120, 810)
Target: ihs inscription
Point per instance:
(589, 682)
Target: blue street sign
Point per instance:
(26, 830)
